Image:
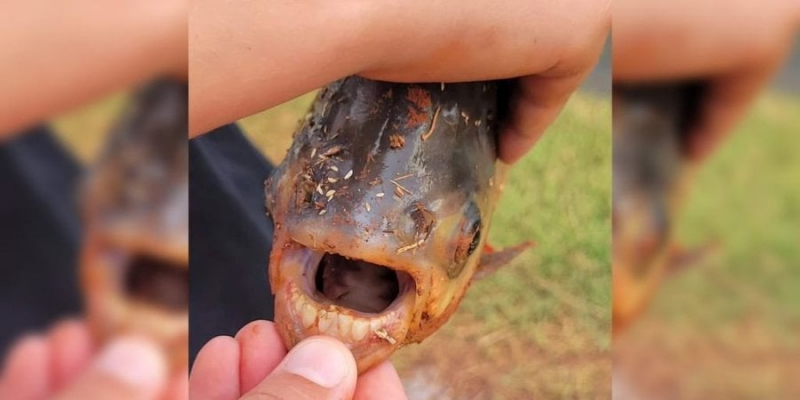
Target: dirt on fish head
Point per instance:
(381, 208)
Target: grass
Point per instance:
(728, 327)
(539, 327)
(83, 131)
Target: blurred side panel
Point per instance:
(705, 244)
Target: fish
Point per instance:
(134, 207)
(652, 129)
(381, 211)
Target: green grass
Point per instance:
(748, 198)
(559, 196)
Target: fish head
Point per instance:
(134, 205)
(381, 209)
(651, 173)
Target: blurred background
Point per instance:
(96, 226)
(540, 327)
(728, 326)
(42, 168)
(67, 71)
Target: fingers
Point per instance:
(215, 374)
(317, 368)
(261, 351)
(178, 388)
(128, 369)
(380, 382)
(537, 105)
(675, 39)
(227, 367)
(26, 375)
(71, 351)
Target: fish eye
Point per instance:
(475, 228)
(468, 239)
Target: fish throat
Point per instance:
(356, 284)
(157, 282)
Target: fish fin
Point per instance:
(680, 258)
(488, 249)
(492, 260)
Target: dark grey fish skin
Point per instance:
(390, 175)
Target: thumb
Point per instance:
(317, 368)
(128, 369)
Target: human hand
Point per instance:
(255, 365)
(64, 364)
(255, 55)
(120, 44)
(734, 46)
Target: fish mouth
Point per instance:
(367, 306)
(130, 287)
(158, 282)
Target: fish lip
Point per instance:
(297, 295)
(111, 311)
(114, 254)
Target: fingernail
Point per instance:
(320, 361)
(134, 362)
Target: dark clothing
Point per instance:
(230, 236)
(39, 234)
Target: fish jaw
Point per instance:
(112, 312)
(300, 312)
(394, 175)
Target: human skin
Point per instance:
(735, 46)
(66, 364)
(254, 366)
(55, 56)
(251, 55)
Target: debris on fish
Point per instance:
(395, 268)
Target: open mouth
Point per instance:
(357, 285)
(356, 301)
(157, 282)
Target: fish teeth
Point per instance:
(309, 315)
(359, 329)
(326, 320)
(376, 324)
(297, 304)
(345, 322)
(335, 323)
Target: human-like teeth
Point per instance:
(376, 324)
(298, 305)
(345, 322)
(309, 315)
(326, 321)
(359, 329)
